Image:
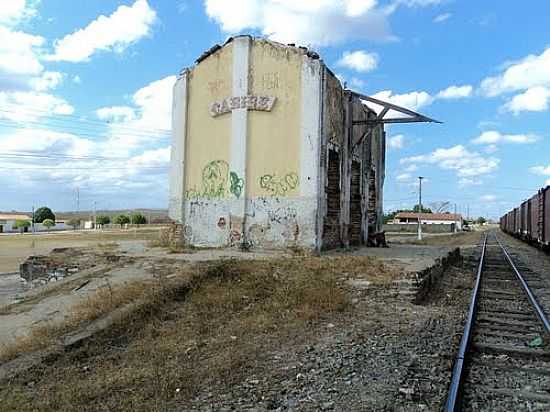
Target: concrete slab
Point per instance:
(406, 258)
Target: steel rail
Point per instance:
(458, 369)
(538, 310)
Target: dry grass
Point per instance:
(14, 249)
(188, 335)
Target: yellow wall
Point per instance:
(208, 138)
(273, 158)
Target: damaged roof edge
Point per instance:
(310, 53)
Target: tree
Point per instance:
(49, 223)
(481, 220)
(21, 225)
(122, 220)
(138, 219)
(74, 222)
(42, 214)
(103, 220)
(416, 209)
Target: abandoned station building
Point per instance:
(268, 150)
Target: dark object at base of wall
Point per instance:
(377, 240)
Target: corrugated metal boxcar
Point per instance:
(531, 220)
(545, 221)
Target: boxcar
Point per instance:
(523, 219)
(531, 220)
(545, 221)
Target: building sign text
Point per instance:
(260, 103)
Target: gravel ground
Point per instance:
(386, 356)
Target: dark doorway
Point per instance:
(356, 215)
(331, 227)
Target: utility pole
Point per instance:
(33, 219)
(95, 216)
(420, 207)
(456, 221)
(77, 201)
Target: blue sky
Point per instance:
(85, 92)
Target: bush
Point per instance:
(138, 219)
(21, 225)
(122, 220)
(42, 214)
(48, 223)
(103, 220)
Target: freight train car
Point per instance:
(531, 220)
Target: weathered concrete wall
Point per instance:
(250, 175)
(257, 126)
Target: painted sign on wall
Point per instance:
(260, 103)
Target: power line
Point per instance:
(94, 134)
(69, 117)
(84, 168)
(55, 156)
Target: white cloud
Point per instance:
(151, 116)
(40, 140)
(77, 79)
(413, 100)
(30, 106)
(320, 23)
(493, 137)
(535, 99)
(455, 92)
(467, 164)
(396, 142)
(47, 81)
(116, 113)
(541, 170)
(488, 198)
(13, 11)
(359, 60)
(440, 18)
(547, 183)
(19, 52)
(116, 32)
(411, 168)
(469, 182)
(492, 148)
(530, 76)
(403, 177)
(357, 83)
(531, 71)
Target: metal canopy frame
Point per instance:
(412, 116)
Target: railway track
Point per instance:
(503, 363)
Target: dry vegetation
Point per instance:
(198, 329)
(14, 249)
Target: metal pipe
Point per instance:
(458, 369)
(532, 299)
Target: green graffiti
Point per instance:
(236, 184)
(214, 184)
(214, 179)
(279, 186)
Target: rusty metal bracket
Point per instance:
(412, 117)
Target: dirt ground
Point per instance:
(216, 330)
(15, 248)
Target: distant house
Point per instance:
(7, 222)
(411, 218)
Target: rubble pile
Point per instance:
(60, 263)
